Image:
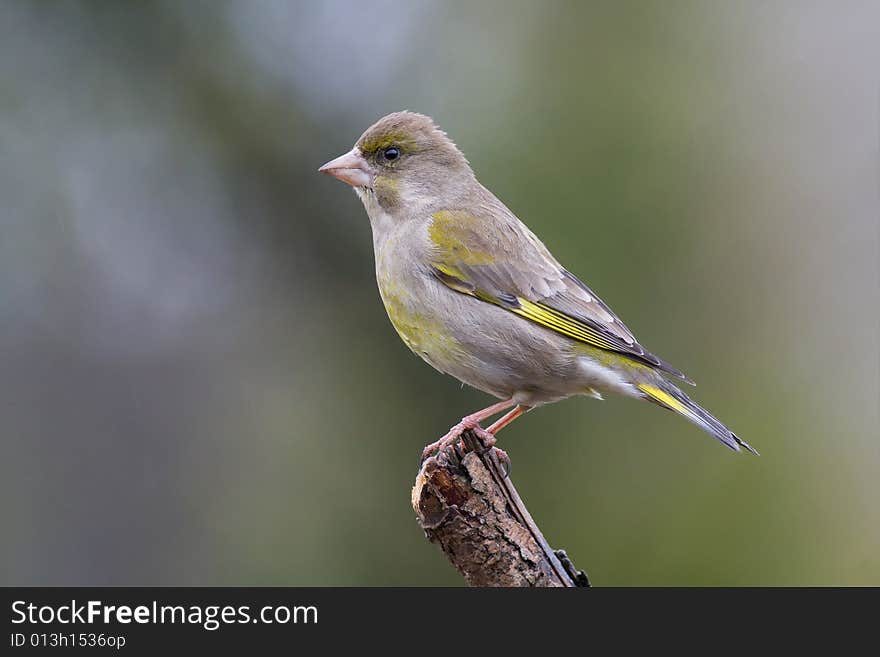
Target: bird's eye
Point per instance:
(391, 154)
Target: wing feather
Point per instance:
(497, 259)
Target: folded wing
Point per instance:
(497, 259)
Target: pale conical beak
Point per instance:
(350, 168)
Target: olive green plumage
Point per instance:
(476, 294)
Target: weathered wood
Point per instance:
(468, 505)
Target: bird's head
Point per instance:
(402, 161)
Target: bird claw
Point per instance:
(467, 423)
(504, 460)
(448, 440)
(432, 449)
(487, 444)
(487, 441)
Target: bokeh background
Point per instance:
(198, 382)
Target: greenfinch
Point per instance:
(477, 295)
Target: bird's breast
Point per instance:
(406, 292)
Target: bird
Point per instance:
(474, 292)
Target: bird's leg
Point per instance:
(468, 423)
(509, 417)
(498, 425)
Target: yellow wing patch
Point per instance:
(561, 323)
(535, 312)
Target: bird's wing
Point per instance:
(497, 259)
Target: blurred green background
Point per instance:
(200, 385)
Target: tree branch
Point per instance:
(468, 505)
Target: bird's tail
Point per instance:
(665, 394)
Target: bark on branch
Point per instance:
(468, 505)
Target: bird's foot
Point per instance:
(486, 438)
(466, 424)
(489, 440)
(504, 459)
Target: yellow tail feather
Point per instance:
(675, 400)
(660, 395)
